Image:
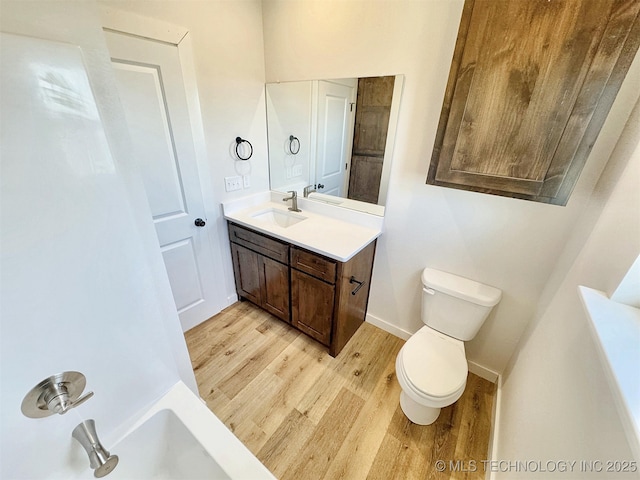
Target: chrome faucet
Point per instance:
(58, 394)
(307, 190)
(294, 201)
(100, 460)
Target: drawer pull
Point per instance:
(360, 284)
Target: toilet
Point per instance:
(431, 366)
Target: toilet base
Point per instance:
(417, 413)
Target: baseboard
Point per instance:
(483, 372)
(387, 327)
(231, 299)
(492, 454)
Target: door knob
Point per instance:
(200, 222)
(320, 185)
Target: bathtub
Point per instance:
(180, 438)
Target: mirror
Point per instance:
(332, 140)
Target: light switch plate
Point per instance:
(233, 183)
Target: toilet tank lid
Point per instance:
(461, 287)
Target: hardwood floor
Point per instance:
(306, 415)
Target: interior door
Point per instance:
(151, 88)
(336, 110)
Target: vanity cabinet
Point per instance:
(530, 86)
(261, 270)
(322, 297)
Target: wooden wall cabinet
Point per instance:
(373, 110)
(324, 298)
(530, 86)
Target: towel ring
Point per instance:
(240, 141)
(292, 142)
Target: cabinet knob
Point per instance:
(200, 222)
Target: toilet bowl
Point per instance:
(432, 371)
(431, 367)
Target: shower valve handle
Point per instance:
(56, 394)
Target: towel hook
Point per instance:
(240, 141)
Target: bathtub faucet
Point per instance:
(100, 460)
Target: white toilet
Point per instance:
(432, 366)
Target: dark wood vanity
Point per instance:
(322, 297)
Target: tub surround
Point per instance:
(328, 230)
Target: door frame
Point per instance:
(153, 29)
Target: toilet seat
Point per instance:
(434, 365)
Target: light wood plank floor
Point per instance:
(307, 416)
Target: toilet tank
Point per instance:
(456, 306)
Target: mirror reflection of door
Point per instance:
(335, 134)
(370, 137)
(294, 108)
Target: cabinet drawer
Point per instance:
(313, 264)
(267, 246)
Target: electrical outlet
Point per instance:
(296, 171)
(232, 183)
(246, 181)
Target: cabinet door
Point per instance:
(247, 272)
(312, 306)
(530, 86)
(274, 277)
(364, 181)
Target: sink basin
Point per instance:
(280, 218)
(163, 447)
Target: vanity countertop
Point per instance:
(327, 235)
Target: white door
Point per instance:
(151, 88)
(335, 136)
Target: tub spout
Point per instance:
(100, 459)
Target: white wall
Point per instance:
(226, 37)
(511, 244)
(555, 396)
(83, 283)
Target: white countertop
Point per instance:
(336, 234)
